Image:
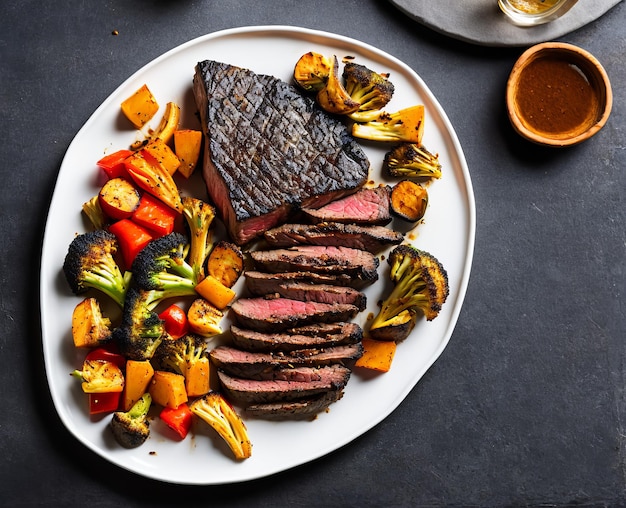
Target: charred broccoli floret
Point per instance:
(161, 266)
(219, 414)
(371, 90)
(405, 125)
(132, 428)
(199, 216)
(411, 160)
(420, 284)
(90, 263)
(188, 356)
(141, 330)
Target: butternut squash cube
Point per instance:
(377, 355)
(138, 377)
(140, 107)
(187, 144)
(158, 151)
(214, 292)
(197, 380)
(168, 389)
(89, 327)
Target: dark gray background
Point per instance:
(526, 405)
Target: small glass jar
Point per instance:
(534, 12)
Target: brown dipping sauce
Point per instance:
(554, 97)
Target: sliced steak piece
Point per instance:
(275, 314)
(328, 260)
(246, 364)
(254, 277)
(251, 391)
(300, 409)
(369, 238)
(367, 206)
(320, 335)
(306, 292)
(269, 150)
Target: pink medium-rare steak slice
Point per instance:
(339, 279)
(300, 409)
(269, 149)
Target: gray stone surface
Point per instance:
(526, 405)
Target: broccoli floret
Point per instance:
(411, 160)
(371, 90)
(199, 216)
(420, 284)
(219, 414)
(405, 125)
(161, 266)
(141, 330)
(132, 428)
(90, 263)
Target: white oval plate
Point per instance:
(448, 232)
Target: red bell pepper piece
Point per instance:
(113, 164)
(178, 419)
(108, 354)
(104, 402)
(176, 322)
(131, 237)
(155, 215)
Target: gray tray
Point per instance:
(481, 22)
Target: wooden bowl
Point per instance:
(558, 95)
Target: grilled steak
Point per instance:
(322, 335)
(367, 206)
(274, 314)
(340, 279)
(251, 391)
(321, 259)
(269, 149)
(299, 409)
(251, 365)
(306, 292)
(369, 238)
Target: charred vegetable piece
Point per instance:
(204, 318)
(166, 128)
(199, 216)
(370, 89)
(140, 107)
(409, 200)
(187, 145)
(334, 98)
(89, 327)
(420, 284)
(311, 71)
(404, 125)
(225, 263)
(100, 376)
(94, 213)
(412, 160)
(132, 428)
(118, 198)
(219, 414)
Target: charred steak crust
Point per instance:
(269, 149)
(300, 409)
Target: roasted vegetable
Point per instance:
(140, 107)
(411, 160)
(403, 125)
(371, 90)
(420, 284)
(409, 200)
(219, 414)
(132, 428)
(168, 389)
(163, 155)
(187, 145)
(90, 263)
(225, 263)
(204, 318)
(311, 71)
(89, 327)
(94, 213)
(161, 265)
(118, 198)
(137, 380)
(141, 330)
(214, 292)
(334, 98)
(166, 128)
(199, 216)
(188, 356)
(100, 376)
(377, 355)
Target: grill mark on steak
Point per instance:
(299, 409)
(329, 260)
(339, 279)
(274, 314)
(307, 292)
(257, 365)
(369, 238)
(251, 391)
(366, 206)
(320, 335)
(269, 149)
